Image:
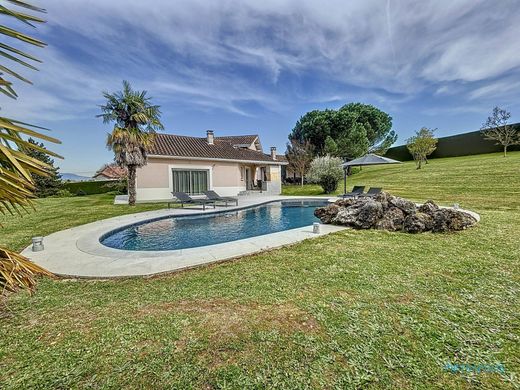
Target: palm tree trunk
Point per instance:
(131, 185)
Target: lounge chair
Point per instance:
(372, 192)
(356, 191)
(183, 198)
(212, 195)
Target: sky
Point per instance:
(255, 67)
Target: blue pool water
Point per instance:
(192, 231)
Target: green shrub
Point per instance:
(89, 187)
(118, 186)
(327, 172)
(63, 193)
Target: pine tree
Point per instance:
(45, 185)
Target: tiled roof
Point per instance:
(239, 139)
(111, 171)
(196, 147)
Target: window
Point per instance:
(193, 182)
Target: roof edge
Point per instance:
(260, 162)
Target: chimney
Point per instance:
(273, 152)
(209, 136)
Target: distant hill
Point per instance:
(74, 177)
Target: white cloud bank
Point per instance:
(393, 49)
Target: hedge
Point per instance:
(88, 187)
(456, 145)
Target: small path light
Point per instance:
(37, 244)
(316, 227)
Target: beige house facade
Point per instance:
(227, 165)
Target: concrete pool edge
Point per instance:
(77, 252)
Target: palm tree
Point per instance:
(135, 122)
(16, 184)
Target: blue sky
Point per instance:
(256, 66)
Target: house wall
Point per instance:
(154, 180)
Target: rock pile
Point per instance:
(388, 212)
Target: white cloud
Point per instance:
(391, 49)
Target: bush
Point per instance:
(327, 172)
(63, 193)
(89, 187)
(119, 186)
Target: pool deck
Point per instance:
(77, 251)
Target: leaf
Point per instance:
(17, 272)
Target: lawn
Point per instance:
(356, 309)
(54, 214)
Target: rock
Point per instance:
(417, 223)
(387, 212)
(446, 220)
(429, 208)
(369, 213)
(406, 206)
(347, 202)
(383, 198)
(392, 220)
(361, 214)
(328, 213)
(346, 217)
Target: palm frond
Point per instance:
(18, 272)
(16, 167)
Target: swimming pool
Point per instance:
(181, 232)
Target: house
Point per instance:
(110, 172)
(229, 165)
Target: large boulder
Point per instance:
(347, 202)
(429, 208)
(328, 213)
(405, 205)
(369, 213)
(418, 223)
(383, 198)
(387, 212)
(446, 220)
(392, 220)
(362, 214)
(348, 215)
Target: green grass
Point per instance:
(54, 214)
(356, 309)
(472, 181)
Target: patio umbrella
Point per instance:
(368, 159)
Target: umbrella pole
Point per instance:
(344, 181)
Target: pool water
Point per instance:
(172, 233)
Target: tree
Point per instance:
(136, 121)
(299, 155)
(330, 148)
(355, 143)
(327, 172)
(355, 128)
(421, 145)
(497, 128)
(45, 185)
(17, 185)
